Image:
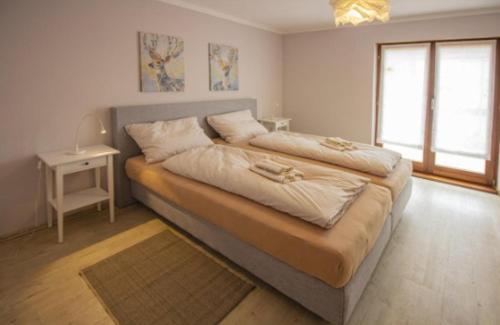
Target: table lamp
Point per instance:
(77, 150)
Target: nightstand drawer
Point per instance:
(83, 165)
(281, 124)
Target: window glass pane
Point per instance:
(403, 94)
(471, 164)
(407, 152)
(464, 101)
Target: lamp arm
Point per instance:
(77, 134)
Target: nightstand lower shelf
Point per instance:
(75, 200)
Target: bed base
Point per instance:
(333, 304)
(399, 205)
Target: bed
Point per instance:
(333, 301)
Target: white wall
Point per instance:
(328, 81)
(63, 58)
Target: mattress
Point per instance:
(395, 181)
(332, 255)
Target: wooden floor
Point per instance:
(442, 266)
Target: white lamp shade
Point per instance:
(77, 150)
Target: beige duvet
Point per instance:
(365, 158)
(395, 181)
(321, 197)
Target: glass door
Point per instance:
(463, 108)
(436, 105)
(403, 95)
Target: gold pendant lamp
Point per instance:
(359, 11)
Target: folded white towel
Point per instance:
(337, 146)
(273, 166)
(338, 141)
(283, 178)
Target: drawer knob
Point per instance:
(86, 163)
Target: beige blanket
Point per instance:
(365, 158)
(321, 197)
(395, 181)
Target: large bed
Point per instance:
(289, 253)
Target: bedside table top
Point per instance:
(60, 157)
(274, 119)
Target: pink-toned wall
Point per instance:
(63, 58)
(328, 76)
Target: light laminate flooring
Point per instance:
(442, 266)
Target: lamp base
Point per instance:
(74, 152)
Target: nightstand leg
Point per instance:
(59, 200)
(111, 190)
(49, 193)
(97, 174)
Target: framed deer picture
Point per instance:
(162, 63)
(223, 67)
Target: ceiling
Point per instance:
(289, 16)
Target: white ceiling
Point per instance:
(289, 16)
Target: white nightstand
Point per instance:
(62, 163)
(276, 123)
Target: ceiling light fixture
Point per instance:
(359, 11)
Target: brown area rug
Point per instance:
(165, 280)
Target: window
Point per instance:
(436, 105)
(403, 97)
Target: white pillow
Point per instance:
(163, 139)
(236, 126)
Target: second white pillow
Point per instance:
(236, 126)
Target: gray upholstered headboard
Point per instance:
(121, 116)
